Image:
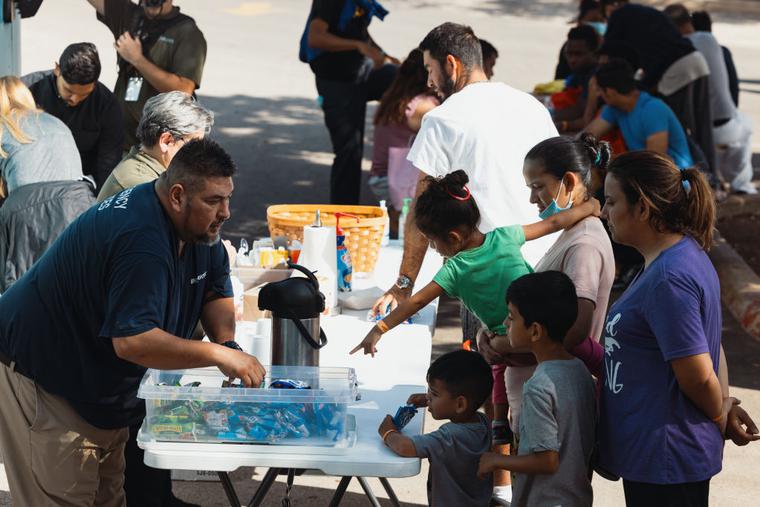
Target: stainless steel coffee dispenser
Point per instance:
(296, 304)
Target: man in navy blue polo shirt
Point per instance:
(115, 294)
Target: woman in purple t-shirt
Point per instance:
(662, 410)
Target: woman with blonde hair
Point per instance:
(34, 146)
(40, 180)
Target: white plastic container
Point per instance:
(387, 229)
(211, 413)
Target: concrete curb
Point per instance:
(726, 10)
(739, 285)
(736, 205)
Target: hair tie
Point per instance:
(685, 181)
(598, 157)
(460, 198)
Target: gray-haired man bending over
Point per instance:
(169, 120)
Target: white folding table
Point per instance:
(385, 383)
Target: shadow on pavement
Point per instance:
(283, 153)
(448, 327)
(210, 494)
(735, 11)
(545, 8)
(742, 354)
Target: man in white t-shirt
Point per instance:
(483, 128)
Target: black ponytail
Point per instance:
(560, 155)
(599, 152)
(446, 204)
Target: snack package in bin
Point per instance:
(241, 422)
(231, 417)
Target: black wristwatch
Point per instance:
(403, 282)
(232, 344)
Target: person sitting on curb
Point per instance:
(647, 123)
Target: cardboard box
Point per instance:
(251, 277)
(251, 305)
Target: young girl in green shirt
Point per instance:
(480, 267)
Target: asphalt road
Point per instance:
(267, 117)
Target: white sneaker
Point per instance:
(502, 495)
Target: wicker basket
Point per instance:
(362, 238)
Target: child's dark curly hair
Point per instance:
(445, 205)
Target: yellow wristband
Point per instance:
(717, 418)
(385, 435)
(382, 326)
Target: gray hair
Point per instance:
(176, 113)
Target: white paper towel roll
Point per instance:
(319, 254)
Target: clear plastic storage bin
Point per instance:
(191, 405)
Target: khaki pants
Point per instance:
(52, 456)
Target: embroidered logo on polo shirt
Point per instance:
(198, 278)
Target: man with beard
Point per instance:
(159, 50)
(486, 129)
(116, 294)
(169, 121)
(72, 93)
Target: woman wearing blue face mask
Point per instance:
(559, 173)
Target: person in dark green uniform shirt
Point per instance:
(159, 50)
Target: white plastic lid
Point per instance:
(330, 385)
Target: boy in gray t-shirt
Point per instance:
(458, 384)
(558, 407)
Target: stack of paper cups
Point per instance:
(319, 254)
(255, 338)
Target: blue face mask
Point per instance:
(554, 208)
(599, 26)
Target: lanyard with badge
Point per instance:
(135, 82)
(134, 85)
